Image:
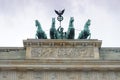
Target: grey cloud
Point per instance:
(111, 5)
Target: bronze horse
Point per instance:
(71, 31)
(85, 33)
(40, 34)
(53, 31)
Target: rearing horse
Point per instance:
(71, 31)
(40, 34)
(85, 32)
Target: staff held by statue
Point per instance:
(60, 17)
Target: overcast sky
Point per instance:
(17, 19)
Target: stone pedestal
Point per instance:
(57, 60)
(62, 49)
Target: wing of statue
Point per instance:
(57, 12)
(62, 11)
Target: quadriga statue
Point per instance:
(85, 33)
(40, 34)
(59, 34)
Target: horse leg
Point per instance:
(89, 35)
(36, 37)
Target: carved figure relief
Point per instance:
(38, 76)
(81, 52)
(62, 75)
(21, 75)
(5, 74)
(71, 76)
(53, 76)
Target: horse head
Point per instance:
(86, 32)
(71, 21)
(87, 24)
(71, 31)
(40, 34)
(53, 31)
(53, 22)
(37, 24)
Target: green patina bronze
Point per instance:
(85, 33)
(53, 31)
(40, 34)
(56, 34)
(71, 31)
(59, 33)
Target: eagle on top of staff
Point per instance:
(60, 12)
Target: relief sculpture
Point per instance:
(5, 74)
(21, 75)
(53, 76)
(70, 52)
(60, 75)
(38, 76)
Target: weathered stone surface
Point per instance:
(79, 52)
(60, 64)
(60, 60)
(12, 53)
(59, 75)
(108, 53)
(61, 43)
(73, 49)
